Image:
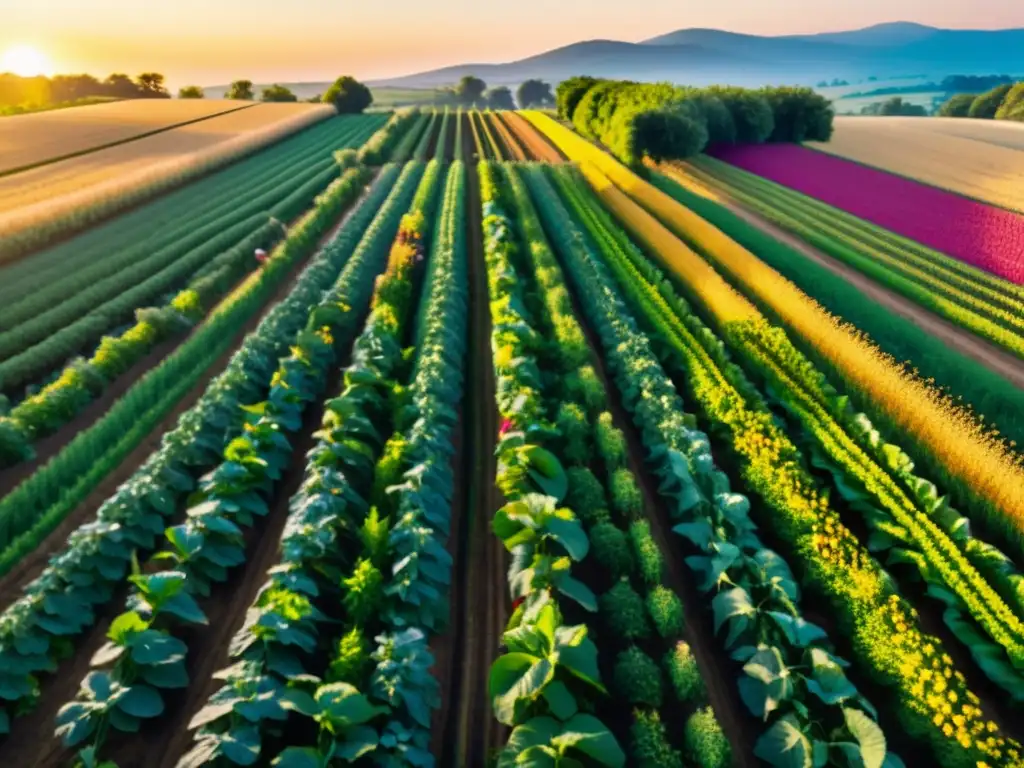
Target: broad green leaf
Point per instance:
(560, 700)
(592, 737)
(125, 626)
(357, 741)
(784, 745)
(75, 722)
(241, 745)
(142, 701)
(799, 632)
(869, 735)
(344, 705)
(301, 757)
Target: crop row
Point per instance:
(59, 603)
(548, 679)
(791, 678)
(640, 617)
(834, 564)
(910, 521)
(35, 226)
(333, 550)
(40, 503)
(83, 380)
(79, 305)
(144, 655)
(980, 471)
(989, 312)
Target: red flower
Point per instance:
(517, 602)
(506, 425)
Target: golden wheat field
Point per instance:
(983, 159)
(35, 138)
(89, 174)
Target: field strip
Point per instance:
(997, 361)
(119, 142)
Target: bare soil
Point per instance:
(534, 142)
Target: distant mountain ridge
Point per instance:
(702, 56)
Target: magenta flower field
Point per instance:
(988, 237)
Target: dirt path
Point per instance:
(536, 145)
(513, 149)
(980, 351)
(435, 134)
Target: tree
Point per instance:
(987, 104)
(470, 90)
(799, 114)
(957, 106)
(151, 86)
(534, 93)
(570, 92)
(500, 98)
(277, 93)
(191, 92)
(120, 86)
(1012, 107)
(895, 106)
(240, 90)
(348, 96)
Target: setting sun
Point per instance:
(26, 61)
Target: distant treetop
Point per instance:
(348, 96)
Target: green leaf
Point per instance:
(173, 675)
(592, 737)
(560, 700)
(799, 632)
(154, 647)
(142, 701)
(784, 745)
(344, 705)
(570, 534)
(357, 742)
(126, 625)
(241, 745)
(75, 723)
(301, 757)
(869, 735)
(516, 678)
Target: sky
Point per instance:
(210, 42)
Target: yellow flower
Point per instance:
(947, 730)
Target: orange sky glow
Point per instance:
(214, 41)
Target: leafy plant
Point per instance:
(611, 550)
(624, 613)
(637, 678)
(666, 611)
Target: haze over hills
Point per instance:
(704, 56)
(701, 56)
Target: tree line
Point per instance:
(1004, 102)
(347, 94)
(472, 92)
(17, 91)
(664, 121)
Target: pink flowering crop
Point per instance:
(985, 236)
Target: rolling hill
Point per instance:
(702, 56)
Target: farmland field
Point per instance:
(983, 159)
(507, 452)
(29, 140)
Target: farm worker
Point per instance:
(261, 256)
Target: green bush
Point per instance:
(584, 387)
(611, 442)
(351, 658)
(649, 743)
(624, 613)
(648, 556)
(986, 105)
(637, 678)
(957, 106)
(585, 496)
(611, 549)
(574, 429)
(666, 611)
(682, 671)
(703, 741)
(627, 501)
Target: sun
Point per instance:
(24, 60)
